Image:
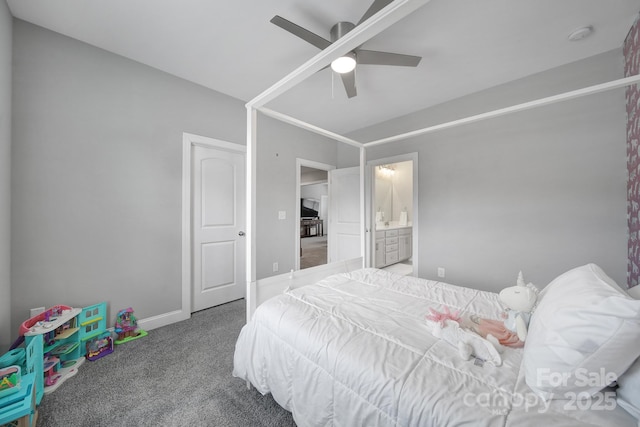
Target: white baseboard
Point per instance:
(164, 319)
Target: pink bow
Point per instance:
(436, 316)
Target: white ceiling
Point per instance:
(230, 46)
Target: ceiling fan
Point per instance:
(346, 64)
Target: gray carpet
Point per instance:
(178, 375)
(314, 251)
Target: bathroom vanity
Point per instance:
(393, 244)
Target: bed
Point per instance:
(354, 349)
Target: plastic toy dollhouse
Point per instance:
(56, 344)
(127, 326)
(59, 328)
(67, 334)
(96, 341)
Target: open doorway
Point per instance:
(313, 208)
(394, 216)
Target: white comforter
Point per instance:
(355, 350)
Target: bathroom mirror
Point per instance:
(384, 193)
(393, 193)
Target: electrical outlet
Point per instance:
(282, 214)
(275, 266)
(440, 271)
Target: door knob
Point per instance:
(241, 233)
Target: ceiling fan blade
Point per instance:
(303, 33)
(373, 9)
(349, 82)
(375, 57)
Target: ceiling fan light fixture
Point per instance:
(344, 64)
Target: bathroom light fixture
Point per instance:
(387, 169)
(344, 64)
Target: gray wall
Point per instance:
(278, 147)
(348, 156)
(5, 175)
(96, 169)
(540, 191)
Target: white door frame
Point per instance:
(370, 227)
(188, 142)
(299, 164)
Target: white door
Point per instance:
(218, 250)
(344, 214)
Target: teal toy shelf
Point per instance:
(21, 405)
(9, 380)
(93, 324)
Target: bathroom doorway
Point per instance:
(393, 215)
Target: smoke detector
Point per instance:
(580, 33)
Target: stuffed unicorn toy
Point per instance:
(486, 338)
(519, 301)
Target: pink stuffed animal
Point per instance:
(446, 326)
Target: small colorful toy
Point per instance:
(9, 380)
(50, 369)
(127, 327)
(99, 346)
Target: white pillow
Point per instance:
(582, 336)
(629, 390)
(634, 292)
